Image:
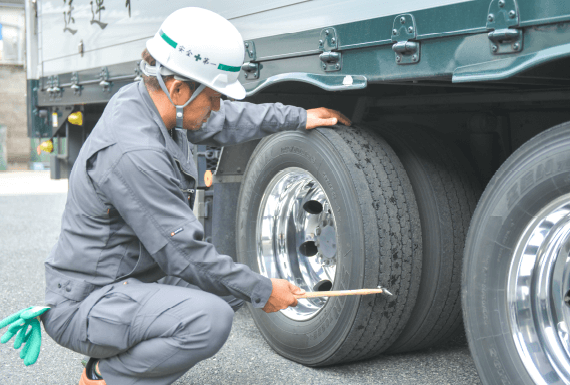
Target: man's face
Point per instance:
(198, 112)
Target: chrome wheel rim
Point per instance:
(538, 294)
(296, 237)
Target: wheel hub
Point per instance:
(296, 237)
(326, 244)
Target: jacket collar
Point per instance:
(178, 145)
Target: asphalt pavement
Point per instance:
(30, 215)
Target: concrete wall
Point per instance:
(13, 112)
(13, 81)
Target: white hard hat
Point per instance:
(203, 46)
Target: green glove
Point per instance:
(19, 323)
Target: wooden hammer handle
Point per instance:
(339, 293)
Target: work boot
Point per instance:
(90, 376)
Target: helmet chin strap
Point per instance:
(179, 108)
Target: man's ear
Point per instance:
(179, 92)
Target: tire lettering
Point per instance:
(532, 177)
(527, 181)
(512, 195)
(298, 151)
(332, 314)
(564, 164)
(497, 363)
(485, 311)
(332, 193)
(544, 170)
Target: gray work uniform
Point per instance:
(130, 279)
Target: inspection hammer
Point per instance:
(340, 293)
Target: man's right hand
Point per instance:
(282, 296)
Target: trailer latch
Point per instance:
(104, 77)
(251, 70)
(53, 88)
(403, 31)
(331, 61)
(502, 16)
(328, 42)
(75, 86)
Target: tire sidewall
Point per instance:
(314, 340)
(533, 176)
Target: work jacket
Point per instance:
(129, 207)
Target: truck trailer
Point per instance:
(451, 189)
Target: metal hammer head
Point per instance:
(384, 290)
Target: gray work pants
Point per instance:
(144, 333)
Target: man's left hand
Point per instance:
(319, 117)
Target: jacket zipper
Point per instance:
(191, 191)
(181, 169)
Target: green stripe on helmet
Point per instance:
(167, 39)
(224, 67)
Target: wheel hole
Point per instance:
(313, 207)
(324, 285)
(567, 298)
(308, 249)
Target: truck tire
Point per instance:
(446, 191)
(516, 268)
(351, 185)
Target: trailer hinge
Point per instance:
(104, 77)
(53, 88)
(328, 42)
(75, 86)
(251, 70)
(404, 30)
(250, 54)
(502, 16)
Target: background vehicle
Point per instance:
(443, 94)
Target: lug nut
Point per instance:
(512, 14)
(403, 20)
(491, 17)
